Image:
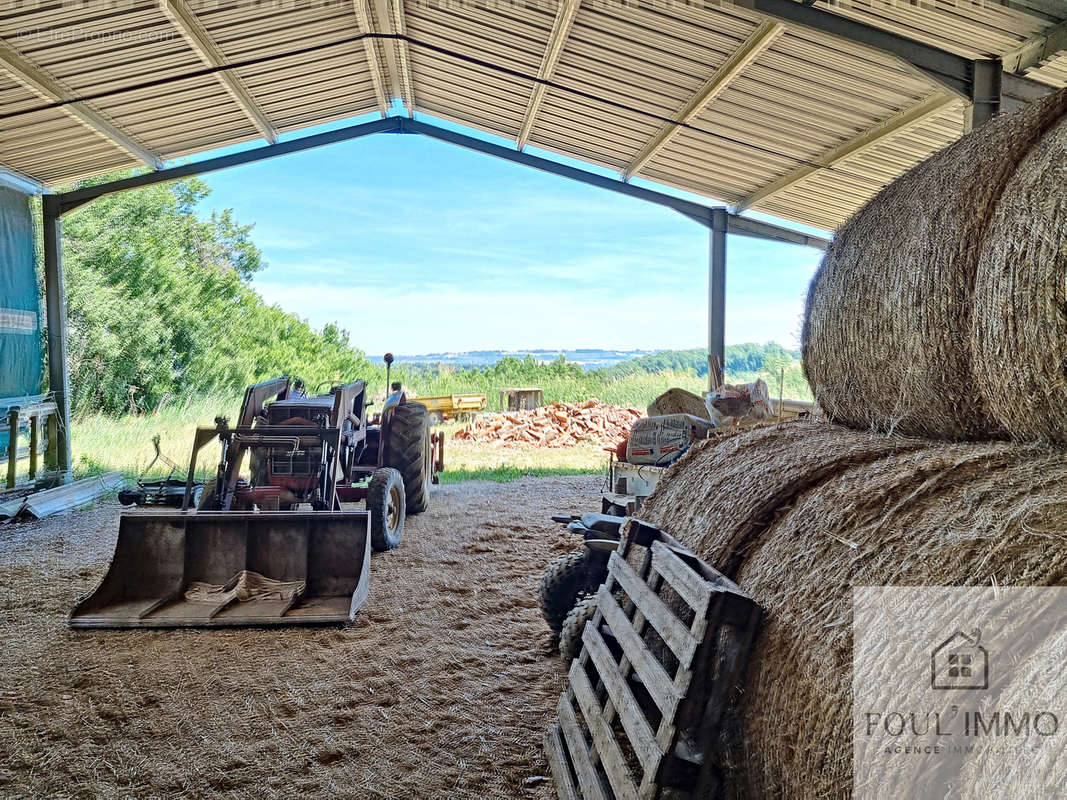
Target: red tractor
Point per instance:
(278, 546)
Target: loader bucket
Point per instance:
(208, 569)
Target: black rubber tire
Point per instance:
(570, 635)
(387, 506)
(565, 581)
(408, 452)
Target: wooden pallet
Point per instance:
(643, 709)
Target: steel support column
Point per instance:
(717, 299)
(56, 312)
(985, 103)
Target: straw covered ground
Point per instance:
(799, 513)
(948, 286)
(443, 686)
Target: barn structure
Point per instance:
(801, 110)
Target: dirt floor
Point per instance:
(442, 687)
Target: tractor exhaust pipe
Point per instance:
(388, 359)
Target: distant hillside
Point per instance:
(744, 364)
(631, 381)
(740, 358)
(747, 357)
(587, 358)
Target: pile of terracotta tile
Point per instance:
(556, 425)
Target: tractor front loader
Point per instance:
(274, 539)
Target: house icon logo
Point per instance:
(960, 662)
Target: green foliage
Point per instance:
(161, 308)
(160, 304)
(509, 474)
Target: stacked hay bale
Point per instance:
(947, 288)
(940, 311)
(800, 513)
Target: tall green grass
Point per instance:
(105, 442)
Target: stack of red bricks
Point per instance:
(556, 425)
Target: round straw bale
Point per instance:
(1020, 320)
(799, 514)
(887, 330)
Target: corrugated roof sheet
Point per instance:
(619, 72)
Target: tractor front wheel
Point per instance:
(386, 504)
(407, 450)
(570, 635)
(566, 580)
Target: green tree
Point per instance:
(160, 303)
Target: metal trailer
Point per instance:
(447, 406)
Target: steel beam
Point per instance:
(985, 98)
(12, 62)
(374, 58)
(561, 28)
(1037, 50)
(952, 71)
(717, 300)
(980, 81)
(871, 137)
(197, 37)
(749, 50)
(68, 201)
(702, 214)
(56, 316)
(16, 180)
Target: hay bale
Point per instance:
(1019, 327)
(800, 513)
(678, 401)
(887, 331)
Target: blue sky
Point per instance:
(419, 246)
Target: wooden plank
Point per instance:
(619, 775)
(579, 751)
(561, 773)
(655, 678)
(689, 585)
(630, 715)
(677, 636)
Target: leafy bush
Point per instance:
(160, 304)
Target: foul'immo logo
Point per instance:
(960, 662)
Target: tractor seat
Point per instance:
(603, 523)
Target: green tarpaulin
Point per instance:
(20, 318)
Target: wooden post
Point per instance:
(12, 445)
(34, 423)
(51, 433)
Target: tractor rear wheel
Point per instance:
(386, 504)
(408, 451)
